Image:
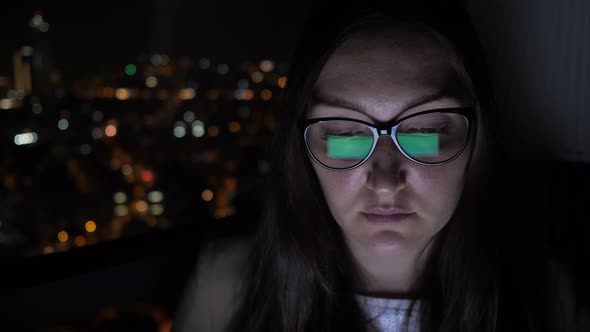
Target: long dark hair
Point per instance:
(302, 276)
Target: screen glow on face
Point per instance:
(349, 147)
(357, 147)
(419, 145)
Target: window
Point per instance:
(122, 119)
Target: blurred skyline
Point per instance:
(122, 118)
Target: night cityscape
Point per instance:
(150, 144)
(127, 130)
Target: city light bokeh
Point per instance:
(155, 142)
(121, 127)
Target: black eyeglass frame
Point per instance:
(390, 129)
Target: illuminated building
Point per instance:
(21, 62)
(41, 59)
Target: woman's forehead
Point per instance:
(402, 36)
(381, 67)
(391, 51)
(389, 69)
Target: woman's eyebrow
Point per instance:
(323, 98)
(319, 97)
(425, 99)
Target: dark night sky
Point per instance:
(89, 37)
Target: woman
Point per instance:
(382, 212)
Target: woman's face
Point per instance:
(379, 78)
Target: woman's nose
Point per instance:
(386, 167)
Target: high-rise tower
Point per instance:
(41, 57)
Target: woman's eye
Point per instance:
(346, 133)
(341, 134)
(429, 130)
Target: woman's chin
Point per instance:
(387, 243)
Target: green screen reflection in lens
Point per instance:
(419, 145)
(349, 147)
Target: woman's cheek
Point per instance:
(439, 192)
(339, 190)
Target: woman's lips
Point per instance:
(385, 218)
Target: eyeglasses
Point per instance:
(433, 137)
